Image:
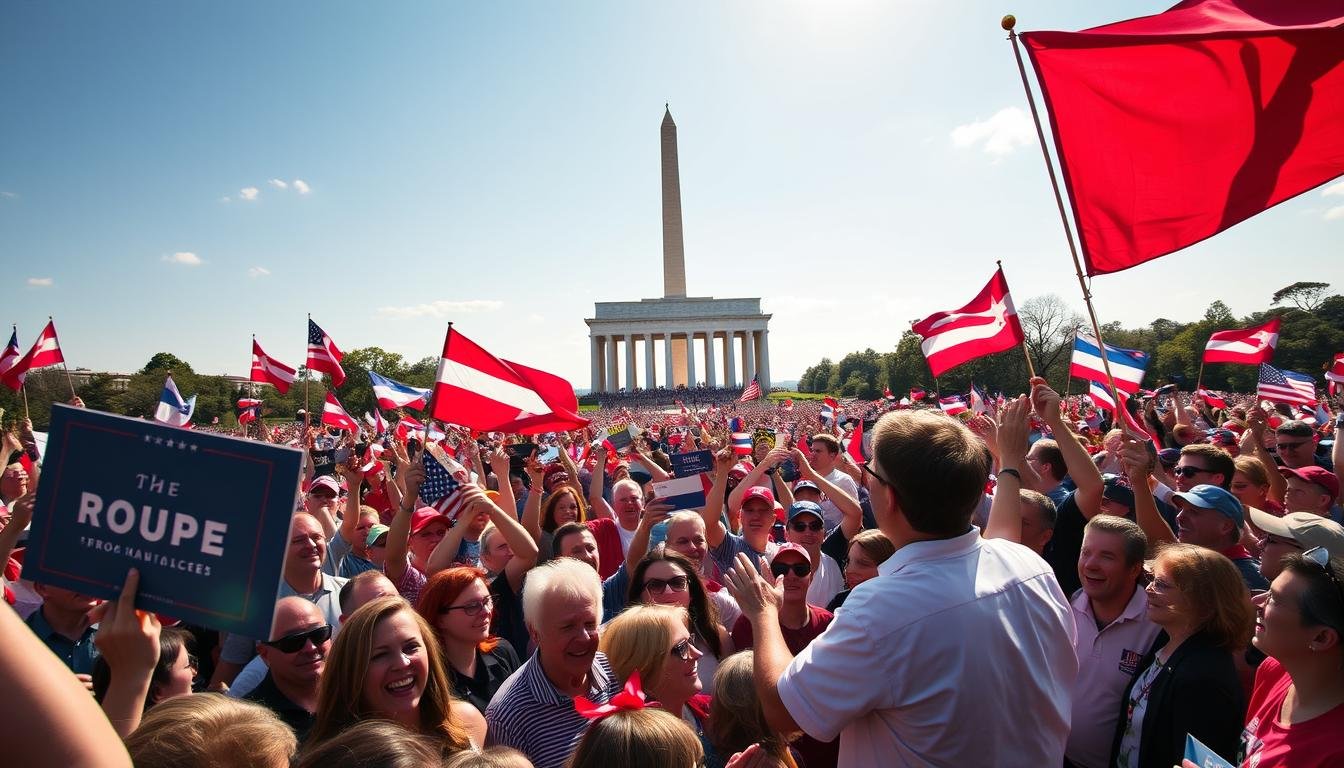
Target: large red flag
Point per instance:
(987, 325)
(335, 415)
(1248, 346)
(268, 370)
(1173, 127)
(44, 352)
(478, 390)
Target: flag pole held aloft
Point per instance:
(1031, 370)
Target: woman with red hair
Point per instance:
(457, 604)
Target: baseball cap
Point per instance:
(1169, 456)
(328, 482)
(376, 531)
(1306, 528)
(739, 469)
(1222, 437)
(1115, 488)
(805, 508)
(758, 492)
(1316, 476)
(1295, 428)
(790, 547)
(803, 485)
(1212, 497)
(423, 517)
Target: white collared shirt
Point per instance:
(1108, 659)
(938, 659)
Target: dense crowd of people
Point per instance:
(1020, 584)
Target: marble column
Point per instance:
(669, 379)
(649, 380)
(709, 359)
(748, 357)
(690, 359)
(729, 371)
(764, 361)
(596, 355)
(613, 364)
(631, 380)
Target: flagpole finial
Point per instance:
(1008, 22)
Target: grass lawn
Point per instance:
(797, 395)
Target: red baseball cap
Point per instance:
(424, 516)
(1316, 476)
(791, 547)
(758, 492)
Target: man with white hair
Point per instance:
(534, 710)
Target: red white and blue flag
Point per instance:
(323, 355)
(44, 352)
(987, 325)
(1246, 346)
(1127, 365)
(952, 405)
(268, 370)
(1289, 387)
(1101, 396)
(334, 414)
(10, 357)
(1214, 401)
(751, 392)
(443, 485)
(375, 421)
(173, 409)
(1335, 375)
(742, 443)
(978, 404)
(830, 410)
(409, 427)
(393, 394)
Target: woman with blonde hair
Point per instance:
(1188, 681)
(386, 663)
(647, 738)
(735, 716)
(209, 730)
(656, 641)
(380, 743)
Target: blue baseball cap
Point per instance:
(1116, 488)
(803, 485)
(1212, 497)
(805, 508)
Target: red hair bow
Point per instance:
(630, 698)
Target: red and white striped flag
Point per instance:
(752, 391)
(477, 390)
(1101, 396)
(268, 370)
(323, 355)
(10, 357)
(409, 427)
(1335, 376)
(1247, 346)
(333, 414)
(953, 405)
(44, 352)
(1289, 387)
(1213, 400)
(987, 325)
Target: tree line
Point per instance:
(1311, 334)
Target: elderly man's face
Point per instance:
(566, 635)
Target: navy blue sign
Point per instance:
(205, 518)
(691, 464)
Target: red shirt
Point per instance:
(1315, 743)
(610, 553)
(796, 639)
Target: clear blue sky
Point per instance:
(852, 163)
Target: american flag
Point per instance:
(952, 405)
(1285, 386)
(323, 356)
(441, 490)
(752, 391)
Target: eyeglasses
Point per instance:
(799, 569)
(1321, 557)
(1188, 471)
(473, 608)
(870, 471)
(296, 642)
(659, 586)
(682, 650)
(324, 494)
(802, 525)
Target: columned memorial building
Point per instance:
(714, 342)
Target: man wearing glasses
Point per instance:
(1295, 444)
(1292, 534)
(294, 656)
(806, 527)
(1203, 464)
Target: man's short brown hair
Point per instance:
(1215, 459)
(828, 440)
(935, 465)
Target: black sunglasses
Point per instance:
(295, 642)
(864, 466)
(803, 525)
(659, 586)
(799, 569)
(1188, 471)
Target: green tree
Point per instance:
(1306, 296)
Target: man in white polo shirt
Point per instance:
(1114, 632)
(959, 653)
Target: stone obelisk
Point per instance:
(674, 253)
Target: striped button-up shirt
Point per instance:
(529, 714)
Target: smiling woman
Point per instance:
(386, 663)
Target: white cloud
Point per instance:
(41, 282)
(225, 199)
(278, 183)
(258, 272)
(1335, 213)
(302, 187)
(1000, 135)
(442, 308)
(184, 257)
(1333, 189)
(10, 195)
(248, 193)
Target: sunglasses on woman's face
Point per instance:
(799, 569)
(296, 642)
(682, 650)
(659, 586)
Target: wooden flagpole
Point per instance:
(1008, 23)
(307, 374)
(23, 388)
(1031, 370)
(68, 378)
